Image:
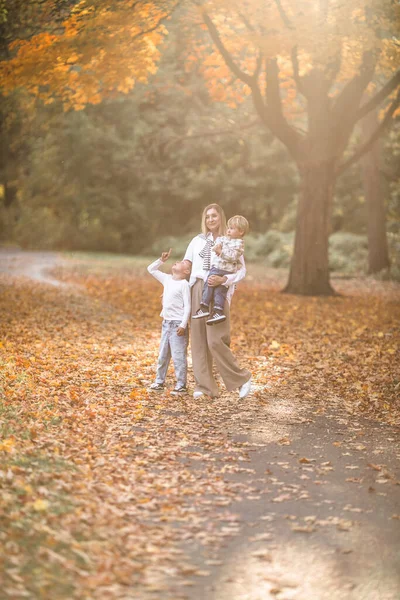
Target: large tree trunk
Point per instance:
(309, 272)
(378, 253)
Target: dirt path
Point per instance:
(32, 265)
(277, 500)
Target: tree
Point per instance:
(323, 55)
(378, 252)
(305, 64)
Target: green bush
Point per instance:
(392, 274)
(348, 252)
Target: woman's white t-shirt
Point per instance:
(192, 253)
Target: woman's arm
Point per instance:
(229, 280)
(189, 251)
(238, 276)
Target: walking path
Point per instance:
(278, 500)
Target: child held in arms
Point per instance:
(174, 330)
(224, 261)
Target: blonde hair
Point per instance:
(240, 223)
(188, 268)
(219, 209)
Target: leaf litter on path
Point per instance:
(113, 481)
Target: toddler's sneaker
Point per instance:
(200, 313)
(217, 317)
(179, 390)
(156, 387)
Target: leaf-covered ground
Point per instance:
(109, 491)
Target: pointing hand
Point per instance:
(165, 255)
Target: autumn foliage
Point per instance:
(95, 469)
(100, 50)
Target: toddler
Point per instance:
(226, 253)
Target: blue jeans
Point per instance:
(217, 293)
(176, 346)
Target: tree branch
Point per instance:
(184, 138)
(294, 57)
(157, 25)
(333, 68)
(226, 55)
(374, 102)
(352, 92)
(247, 23)
(258, 66)
(284, 17)
(296, 74)
(277, 121)
(364, 148)
(270, 113)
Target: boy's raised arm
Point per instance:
(153, 269)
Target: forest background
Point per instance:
(131, 173)
(120, 120)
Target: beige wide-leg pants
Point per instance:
(211, 342)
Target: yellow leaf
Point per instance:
(40, 505)
(7, 445)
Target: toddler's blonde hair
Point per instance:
(240, 223)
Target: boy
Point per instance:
(227, 251)
(175, 313)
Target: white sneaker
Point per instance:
(200, 313)
(244, 389)
(217, 317)
(197, 394)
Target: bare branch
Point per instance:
(270, 113)
(364, 148)
(277, 121)
(296, 73)
(247, 23)
(374, 102)
(233, 131)
(352, 92)
(294, 57)
(258, 66)
(333, 68)
(284, 17)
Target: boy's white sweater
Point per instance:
(176, 296)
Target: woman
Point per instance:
(212, 342)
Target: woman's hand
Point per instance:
(165, 255)
(215, 280)
(180, 331)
